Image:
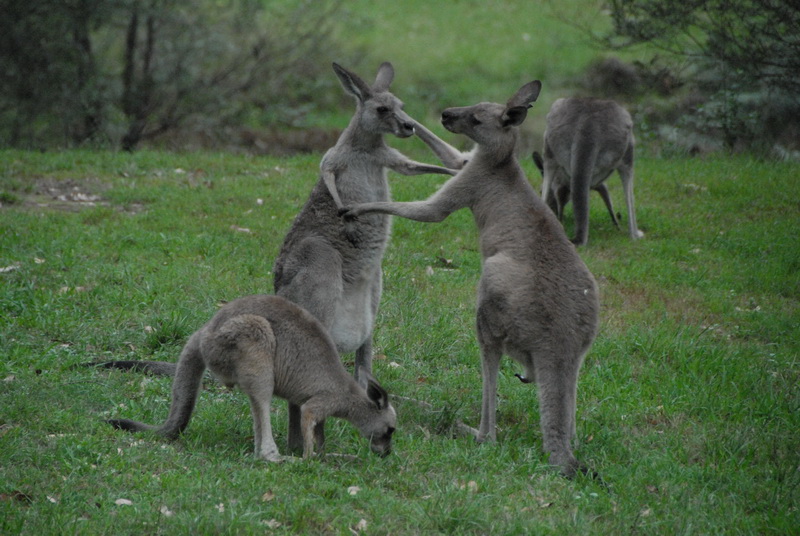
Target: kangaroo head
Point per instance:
(379, 111)
(379, 422)
(489, 123)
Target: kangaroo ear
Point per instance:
(378, 394)
(517, 106)
(384, 78)
(352, 83)
(525, 95)
(514, 116)
(375, 392)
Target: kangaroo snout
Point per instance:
(381, 448)
(450, 119)
(448, 116)
(403, 128)
(406, 129)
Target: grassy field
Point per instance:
(688, 401)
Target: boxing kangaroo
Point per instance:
(537, 301)
(330, 267)
(269, 346)
(585, 141)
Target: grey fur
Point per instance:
(269, 346)
(537, 301)
(561, 197)
(585, 141)
(330, 267)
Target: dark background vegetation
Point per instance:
(254, 74)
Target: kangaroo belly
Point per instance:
(355, 315)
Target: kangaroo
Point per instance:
(561, 196)
(329, 267)
(586, 139)
(269, 346)
(537, 300)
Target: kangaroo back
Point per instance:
(585, 141)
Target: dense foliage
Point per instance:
(119, 72)
(743, 57)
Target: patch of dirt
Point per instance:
(67, 195)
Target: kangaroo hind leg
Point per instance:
(311, 278)
(626, 174)
(556, 378)
(249, 359)
(491, 353)
(602, 189)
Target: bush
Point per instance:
(742, 56)
(120, 72)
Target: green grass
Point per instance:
(688, 401)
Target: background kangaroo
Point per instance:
(329, 267)
(558, 200)
(269, 346)
(585, 141)
(537, 301)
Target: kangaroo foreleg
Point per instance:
(329, 178)
(434, 209)
(309, 423)
(449, 155)
(400, 163)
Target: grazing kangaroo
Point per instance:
(537, 301)
(562, 195)
(270, 346)
(585, 140)
(329, 267)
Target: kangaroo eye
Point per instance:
(382, 109)
(474, 120)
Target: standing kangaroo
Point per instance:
(330, 267)
(270, 346)
(537, 301)
(585, 141)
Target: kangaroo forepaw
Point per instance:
(347, 214)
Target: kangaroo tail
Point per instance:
(584, 155)
(185, 386)
(156, 368)
(131, 426)
(188, 377)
